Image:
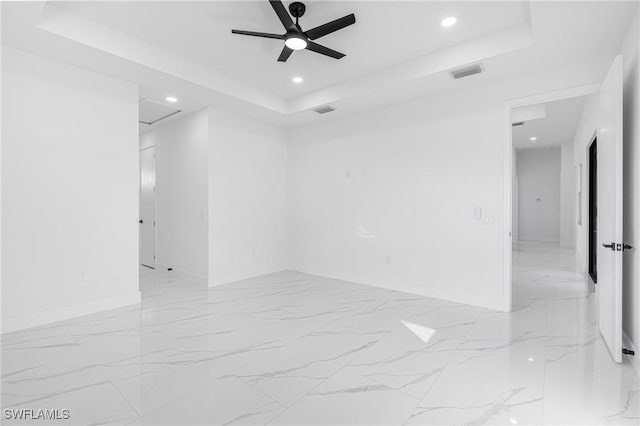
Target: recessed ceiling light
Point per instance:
(533, 139)
(171, 99)
(448, 22)
(297, 79)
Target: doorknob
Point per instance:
(140, 221)
(611, 246)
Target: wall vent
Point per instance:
(324, 109)
(466, 71)
(151, 111)
(518, 123)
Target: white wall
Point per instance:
(247, 198)
(631, 280)
(69, 191)
(567, 195)
(182, 192)
(388, 197)
(539, 195)
(514, 197)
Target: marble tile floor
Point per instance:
(295, 349)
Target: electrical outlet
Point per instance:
(87, 276)
(387, 260)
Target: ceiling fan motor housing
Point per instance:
(297, 9)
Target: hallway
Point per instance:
(290, 348)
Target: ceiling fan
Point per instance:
(295, 38)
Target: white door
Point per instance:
(610, 250)
(148, 206)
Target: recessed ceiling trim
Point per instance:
(161, 118)
(150, 111)
(92, 34)
(477, 50)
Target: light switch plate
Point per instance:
(477, 212)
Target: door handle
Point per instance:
(140, 221)
(626, 247)
(611, 246)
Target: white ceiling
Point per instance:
(395, 51)
(558, 126)
(385, 33)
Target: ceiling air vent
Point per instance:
(466, 71)
(151, 111)
(324, 109)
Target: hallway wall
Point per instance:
(585, 132)
(539, 194)
(182, 182)
(568, 196)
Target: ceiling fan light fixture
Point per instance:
(295, 43)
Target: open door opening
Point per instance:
(544, 188)
(593, 211)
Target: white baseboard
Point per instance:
(47, 317)
(441, 294)
(635, 360)
(232, 279)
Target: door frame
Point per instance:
(155, 204)
(594, 139)
(556, 95)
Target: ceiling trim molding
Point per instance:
(97, 36)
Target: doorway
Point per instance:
(608, 107)
(512, 121)
(593, 211)
(148, 207)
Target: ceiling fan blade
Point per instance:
(318, 48)
(332, 26)
(257, 34)
(282, 13)
(284, 55)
